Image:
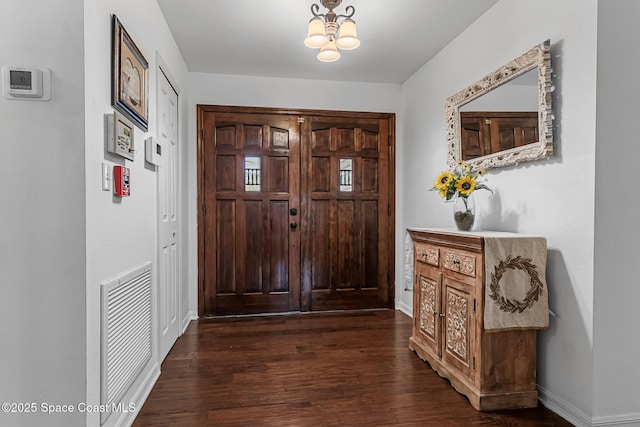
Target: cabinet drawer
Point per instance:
(427, 254)
(460, 263)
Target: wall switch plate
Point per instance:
(106, 177)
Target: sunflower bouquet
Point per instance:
(461, 181)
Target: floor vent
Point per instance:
(126, 334)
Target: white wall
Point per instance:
(616, 316)
(121, 234)
(219, 89)
(42, 241)
(552, 198)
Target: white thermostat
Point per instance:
(26, 83)
(153, 151)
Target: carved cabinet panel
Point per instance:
(494, 370)
(458, 311)
(428, 303)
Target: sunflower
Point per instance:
(466, 185)
(443, 180)
(460, 181)
(443, 191)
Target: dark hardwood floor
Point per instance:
(323, 369)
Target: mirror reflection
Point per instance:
(505, 118)
(502, 119)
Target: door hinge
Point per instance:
(474, 304)
(300, 119)
(204, 210)
(202, 134)
(389, 210)
(474, 362)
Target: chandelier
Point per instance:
(326, 33)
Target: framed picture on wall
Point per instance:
(129, 77)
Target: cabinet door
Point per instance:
(458, 334)
(427, 323)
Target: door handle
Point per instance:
(293, 225)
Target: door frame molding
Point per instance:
(202, 109)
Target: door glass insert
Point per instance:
(252, 174)
(346, 175)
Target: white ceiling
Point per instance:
(265, 37)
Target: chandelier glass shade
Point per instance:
(330, 31)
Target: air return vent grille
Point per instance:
(126, 333)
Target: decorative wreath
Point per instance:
(513, 305)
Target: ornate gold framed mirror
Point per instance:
(504, 118)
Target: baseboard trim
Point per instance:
(580, 418)
(139, 397)
(626, 420)
(191, 315)
(403, 308)
(563, 408)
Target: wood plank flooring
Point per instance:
(323, 369)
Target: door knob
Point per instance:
(293, 225)
(293, 211)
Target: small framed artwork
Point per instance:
(129, 77)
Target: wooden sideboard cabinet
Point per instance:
(494, 370)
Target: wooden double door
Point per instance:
(296, 210)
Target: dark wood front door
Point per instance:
(250, 184)
(347, 210)
(295, 210)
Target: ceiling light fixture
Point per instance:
(326, 33)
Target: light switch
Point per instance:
(106, 177)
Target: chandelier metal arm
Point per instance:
(315, 11)
(349, 14)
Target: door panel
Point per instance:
(251, 254)
(346, 198)
(370, 260)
